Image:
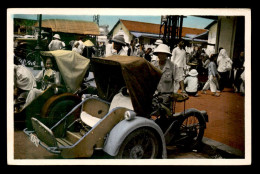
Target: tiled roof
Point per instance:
(141, 26)
(71, 26)
(155, 28)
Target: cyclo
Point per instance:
(135, 126)
(57, 100)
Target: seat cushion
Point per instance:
(88, 119)
(120, 100)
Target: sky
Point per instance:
(111, 20)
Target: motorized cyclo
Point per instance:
(57, 100)
(132, 125)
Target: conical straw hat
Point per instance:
(88, 43)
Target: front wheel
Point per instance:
(191, 131)
(140, 144)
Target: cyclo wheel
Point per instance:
(191, 131)
(140, 144)
(55, 109)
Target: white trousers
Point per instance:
(210, 84)
(34, 93)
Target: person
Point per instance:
(238, 69)
(222, 61)
(157, 43)
(212, 81)
(242, 85)
(179, 59)
(205, 63)
(192, 83)
(166, 83)
(24, 81)
(118, 46)
(76, 47)
(147, 54)
(128, 49)
(139, 52)
(88, 50)
(81, 45)
(56, 43)
(131, 48)
(44, 79)
(203, 57)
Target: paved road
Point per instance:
(226, 116)
(24, 149)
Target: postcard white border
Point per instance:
(142, 12)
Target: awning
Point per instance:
(140, 34)
(194, 40)
(203, 36)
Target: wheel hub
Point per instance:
(137, 152)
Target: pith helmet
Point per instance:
(119, 39)
(158, 42)
(57, 36)
(162, 48)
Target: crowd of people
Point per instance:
(180, 70)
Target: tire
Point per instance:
(191, 131)
(140, 144)
(57, 109)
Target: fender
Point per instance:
(191, 111)
(55, 98)
(118, 134)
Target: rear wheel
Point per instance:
(191, 131)
(140, 144)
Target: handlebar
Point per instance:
(174, 96)
(162, 93)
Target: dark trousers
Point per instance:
(223, 81)
(237, 79)
(191, 93)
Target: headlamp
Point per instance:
(129, 115)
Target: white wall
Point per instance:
(121, 29)
(212, 37)
(227, 33)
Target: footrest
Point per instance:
(44, 133)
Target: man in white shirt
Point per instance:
(56, 44)
(118, 43)
(179, 60)
(24, 81)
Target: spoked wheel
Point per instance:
(57, 107)
(59, 110)
(191, 131)
(140, 144)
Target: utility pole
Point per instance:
(38, 48)
(171, 29)
(96, 19)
